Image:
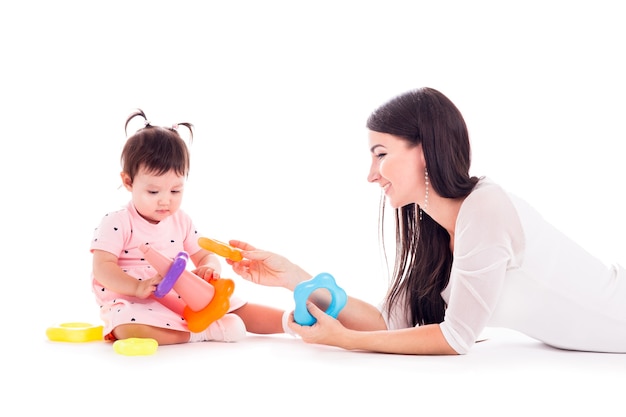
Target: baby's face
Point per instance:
(156, 196)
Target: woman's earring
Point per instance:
(427, 182)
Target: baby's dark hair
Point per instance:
(157, 149)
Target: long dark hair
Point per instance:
(423, 258)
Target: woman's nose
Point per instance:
(373, 175)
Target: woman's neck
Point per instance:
(445, 211)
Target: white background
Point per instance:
(279, 92)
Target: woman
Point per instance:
(468, 254)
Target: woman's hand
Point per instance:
(325, 331)
(266, 268)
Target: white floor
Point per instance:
(508, 374)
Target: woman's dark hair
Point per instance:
(157, 149)
(423, 257)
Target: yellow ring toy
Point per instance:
(135, 346)
(74, 332)
(220, 248)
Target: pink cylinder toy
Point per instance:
(195, 292)
(173, 302)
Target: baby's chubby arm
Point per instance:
(108, 273)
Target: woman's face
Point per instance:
(398, 168)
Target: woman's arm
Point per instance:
(421, 340)
(266, 268)
(359, 325)
(355, 315)
(270, 269)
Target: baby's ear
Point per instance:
(127, 182)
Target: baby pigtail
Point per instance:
(188, 126)
(137, 112)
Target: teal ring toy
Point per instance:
(303, 290)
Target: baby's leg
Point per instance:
(161, 335)
(229, 328)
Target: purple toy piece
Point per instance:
(169, 280)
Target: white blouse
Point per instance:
(512, 269)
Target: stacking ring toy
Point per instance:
(193, 290)
(74, 332)
(178, 267)
(198, 321)
(135, 346)
(303, 290)
(220, 248)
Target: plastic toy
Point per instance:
(303, 290)
(178, 267)
(196, 292)
(220, 248)
(74, 332)
(197, 321)
(135, 346)
(198, 301)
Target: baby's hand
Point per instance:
(146, 287)
(207, 273)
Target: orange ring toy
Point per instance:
(198, 321)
